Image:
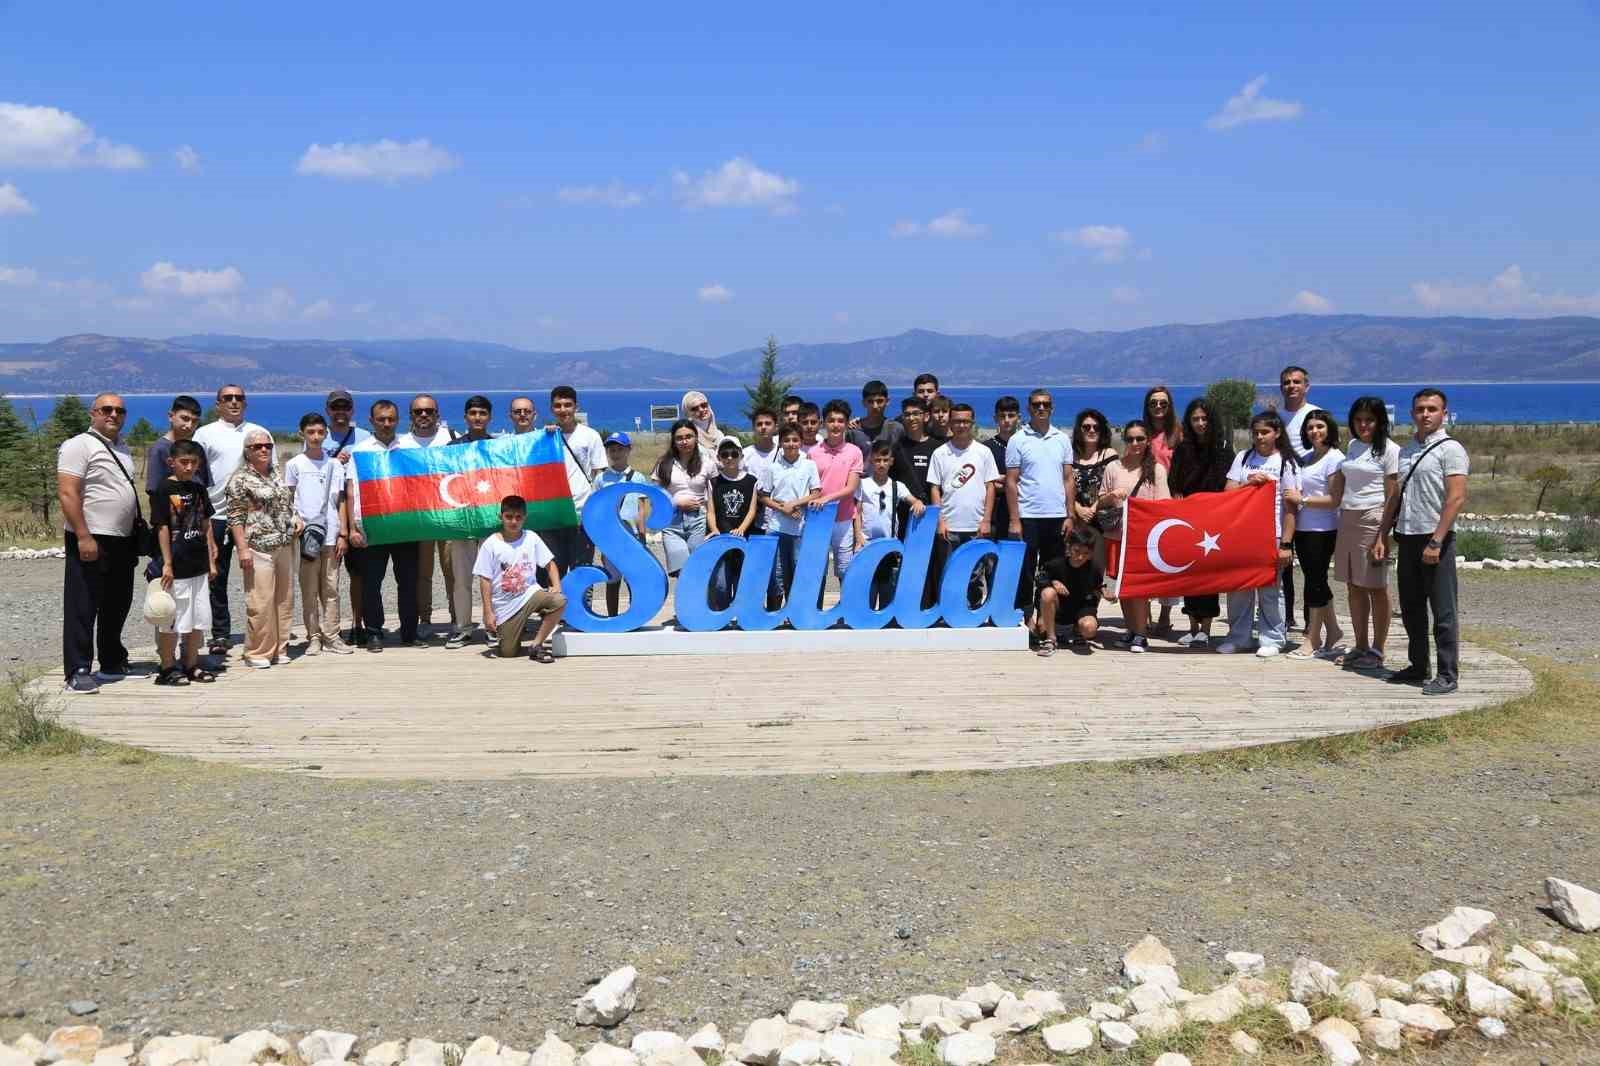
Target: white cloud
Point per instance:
(715, 293)
(1110, 244)
(1248, 105)
(1311, 303)
(49, 137)
(164, 277)
(1125, 294)
(18, 276)
(385, 160)
(187, 158)
(1508, 292)
(613, 195)
(12, 202)
(952, 225)
(737, 183)
(318, 312)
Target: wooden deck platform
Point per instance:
(454, 714)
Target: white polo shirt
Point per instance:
(1041, 460)
(224, 445)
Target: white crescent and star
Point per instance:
(1209, 542)
(481, 486)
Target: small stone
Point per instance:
(1488, 1000)
(1244, 1043)
(709, 1038)
(170, 1050)
(1310, 981)
(554, 1052)
(1149, 952)
(1546, 950)
(1297, 1016)
(918, 1008)
(1572, 995)
(1392, 1009)
(1533, 987)
(79, 1042)
(1576, 907)
(80, 1007)
(1045, 1001)
(1381, 1033)
(1337, 1025)
(818, 1016)
(1476, 957)
(1172, 1058)
(966, 1049)
(1217, 1007)
(603, 1054)
(1069, 1038)
(801, 1053)
(1148, 997)
(1256, 992)
(1458, 929)
(1425, 1020)
(1493, 1028)
(651, 1041)
(1245, 962)
(1016, 1016)
(326, 1044)
(881, 1023)
(1337, 1049)
(1436, 986)
(1118, 1036)
(992, 1027)
(960, 1011)
(987, 996)
(1157, 1022)
(610, 1000)
(1361, 997)
(1387, 986)
(940, 1025)
(1521, 956)
(1106, 1012)
(762, 1041)
(260, 1045)
(679, 1054)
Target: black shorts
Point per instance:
(353, 560)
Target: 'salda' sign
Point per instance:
(647, 581)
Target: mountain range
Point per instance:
(1335, 348)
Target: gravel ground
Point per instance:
(206, 899)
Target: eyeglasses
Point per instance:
(232, 397)
(523, 412)
(1135, 440)
(258, 447)
(1160, 403)
(1089, 429)
(108, 409)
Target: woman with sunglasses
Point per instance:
(1165, 433)
(264, 527)
(1092, 453)
(697, 409)
(1136, 475)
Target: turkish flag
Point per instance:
(1202, 544)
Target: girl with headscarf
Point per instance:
(697, 409)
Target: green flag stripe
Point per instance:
(463, 523)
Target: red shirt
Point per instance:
(834, 467)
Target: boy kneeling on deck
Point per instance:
(507, 572)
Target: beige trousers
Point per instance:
(269, 602)
(463, 556)
(426, 550)
(319, 596)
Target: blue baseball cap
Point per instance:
(620, 438)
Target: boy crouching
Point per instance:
(507, 572)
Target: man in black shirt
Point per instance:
(912, 453)
(1007, 417)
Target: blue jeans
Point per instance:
(783, 568)
(1242, 607)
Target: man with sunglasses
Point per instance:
(343, 436)
(523, 414)
(223, 441)
(428, 431)
(1038, 469)
(94, 485)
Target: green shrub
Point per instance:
(1547, 542)
(1583, 535)
(1473, 545)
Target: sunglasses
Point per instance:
(1159, 403)
(258, 447)
(108, 409)
(232, 397)
(523, 412)
(1040, 405)
(1135, 440)
(424, 411)
(341, 406)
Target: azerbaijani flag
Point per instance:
(454, 492)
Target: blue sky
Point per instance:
(694, 177)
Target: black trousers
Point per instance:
(1286, 582)
(1045, 540)
(1315, 549)
(375, 561)
(571, 546)
(95, 600)
(1425, 589)
(221, 621)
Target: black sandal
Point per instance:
(200, 674)
(542, 654)
(218, 647)
(173, 676)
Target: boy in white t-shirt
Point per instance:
(877, 515)
(319, 500)
(784, 491)
(507, 573)
(963, 479)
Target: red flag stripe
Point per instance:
(398, 495)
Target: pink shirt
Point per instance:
(835, 468)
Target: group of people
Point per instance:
(219, 490)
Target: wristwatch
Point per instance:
(1435, 544)
(1286, 545)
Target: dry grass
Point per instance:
(30, 725)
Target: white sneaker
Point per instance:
(1228, 648)
(1267, 651)
(312, 648)
(258, 664)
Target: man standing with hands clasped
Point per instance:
(1433, 489)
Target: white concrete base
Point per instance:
(658, 641)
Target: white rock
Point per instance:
(911, 1037)
(709, 1038)
(1572, 995)
(801, 1053)
(1487, 999)
(1426, 1020)
(1381, 1033)
(651, 1041)
(1476, 957)
(987, 996)
(1118, 1036)
(763, 1040)
(1546, 950)
(170, 1050)
(1257, 993)
(1069, 1038)
(679, 1054)
(1244, 1043)
(732, 1053)
(846, 1047)
(1298, 1017)
(960, 1011)
(1436, 986)
(1149, 952)
(1016, 1016)
(918, 1008)
(1106, 1012)
(1457, 929)
(326, 1044)
(1172, 1058)
(966, 1049)
(1337, 1025)
(603, 1054)
(76, 1042)
(116, 1055)
(610, 1001)
(1216, 1007)
(484, 1047)
(510, 1056)
(1337, 1049)
(1245, 962)
(424, 1052)
(553, 1052)
(342, 1062)
(1577, 908)
(940, 1025)
(1391, 1009)
(1533, 987)
(1387, 986)
(225, 1055)
(818, 1016)
(260, 1045)
(992, 1027)
(1493, 1028)
(1360, 996)
(1045, 1001)
(10, 1056)
(1148, 997)
(1310, 981)
(1521, 956)
(881, 1023)
(1157, 1022)
(33, 1047)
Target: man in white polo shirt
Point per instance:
(1294, 382)
(223, 441)
(1038, 464)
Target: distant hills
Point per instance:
(1334, 347)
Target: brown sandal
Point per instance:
(542, 654)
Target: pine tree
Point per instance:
(28, 474)
(143, 432)
(769, 389)
(12, 428)
(1232, 400)
(70, 417)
